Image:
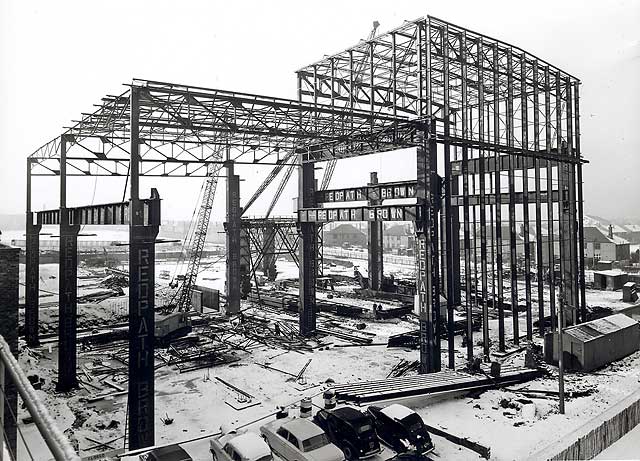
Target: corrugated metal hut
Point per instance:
(593, 344)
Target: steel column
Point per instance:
(428, 285)
(583, 299)
(376, 250)
(308, 252)
(498, 191)
(268, 249)
(452, 239)
(32, 271)
(513, 265)
(68, 285)
(233, 240)
(550, 213)
(483, 209)
(538, 186)
(465, 206)
(525, 189)
(143, 229)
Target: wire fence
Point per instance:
(355, 254)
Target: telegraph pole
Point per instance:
(561, 301)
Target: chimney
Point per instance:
(610, 231)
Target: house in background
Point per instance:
(345, 233)
(400, 236)
(629, 232)
(598, 246)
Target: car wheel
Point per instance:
(349, 452)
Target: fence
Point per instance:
(596, 435)
(354, 254)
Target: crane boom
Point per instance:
(281, 187)
(270, 177)
(199, 235)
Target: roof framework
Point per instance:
(482, 92)
(183, 128)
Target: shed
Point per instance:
(629, 292)
(594, 344)
(609, 280)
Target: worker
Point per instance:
(277, 329)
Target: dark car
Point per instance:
(401, 428)
(170, 453)
(351, 430)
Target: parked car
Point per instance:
(170, 453)
(299, 439)
(247, 446)
(351, 430)
(401, 428)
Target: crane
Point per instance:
(357, 71)
(199, 235)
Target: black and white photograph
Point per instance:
(319, 231)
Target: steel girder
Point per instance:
(182, 127)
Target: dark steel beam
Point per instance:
(308, 252)
(67, 285)
(233, 231)
(141, 399)
(428, 286)
(32, 270)
(375, 240)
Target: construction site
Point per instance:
(459, 295)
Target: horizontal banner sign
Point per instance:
(366, 193)
(365, 213)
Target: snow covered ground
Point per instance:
(513, 427)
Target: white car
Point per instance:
(240, 447)
(299, 439)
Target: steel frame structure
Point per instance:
(163, 129)
(268, 238)
(474, 105)
(497, 111)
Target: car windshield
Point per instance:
(413, 423)
(265, 458)
(315, 442)
(364, 428)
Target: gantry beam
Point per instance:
(182, 127)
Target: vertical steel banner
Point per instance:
(233, 242)
(428, 285)
(308, 253)
(68, 294)
(374, 234)
(142, 236)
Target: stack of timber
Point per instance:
(422, 385)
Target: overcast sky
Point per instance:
(58, 58)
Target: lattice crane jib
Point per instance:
(199, 235)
